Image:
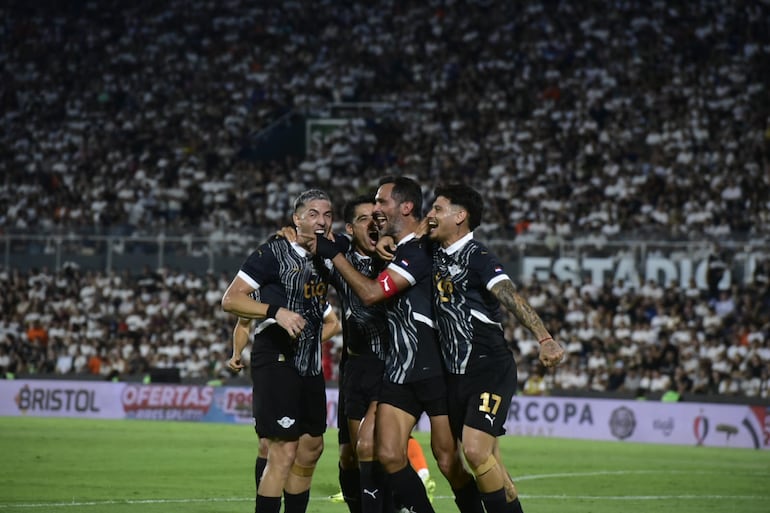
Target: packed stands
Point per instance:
(618, 119)
(120, 324)
(592, 120)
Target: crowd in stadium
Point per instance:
(635, 118)
(618, 339)
(638, 119)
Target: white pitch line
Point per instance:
(34, 505)
(621, 473)
(643, 497)
(591, 474)
(126, 501)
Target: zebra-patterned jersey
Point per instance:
(365, 328)
(467, 313)
(414, 353)
(286, 275)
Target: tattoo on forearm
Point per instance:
(506, 293)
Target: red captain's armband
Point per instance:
(387, 285)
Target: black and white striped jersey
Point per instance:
(364, 328)
(285, 274)
(463, 276)
(414, 353)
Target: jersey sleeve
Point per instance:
(260, 267)
(413, 261)
(491, 271)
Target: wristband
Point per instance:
(326, 248)
(272, 310)
(544, 340)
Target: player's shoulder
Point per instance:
(415, 249)
(477, 245)
(421, 244)
(269, 249)
(480, 248)
(479, 256)
(276, 244)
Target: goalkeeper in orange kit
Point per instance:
(417, 460)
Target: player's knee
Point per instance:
(447, 461)
(279, 463)
(391, 458)
(365, 449)
(447, 468)
(309, 452)
(477, 450)
(302, 470)
(480, 464)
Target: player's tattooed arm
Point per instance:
(505, 292)
(551, 353)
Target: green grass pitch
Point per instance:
(73, 465)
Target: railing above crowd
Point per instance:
(684, 263)
(132, 253)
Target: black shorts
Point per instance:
(427, 395)
(481, 400)
(287, 405)
(361, 384)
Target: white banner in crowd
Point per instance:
(717, 425)
(664, 265)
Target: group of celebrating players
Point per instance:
(421, 323)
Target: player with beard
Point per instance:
(414, 375)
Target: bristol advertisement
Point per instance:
(700, 424)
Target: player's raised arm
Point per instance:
(551, 353)
(370, 291)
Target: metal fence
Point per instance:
(217, 252)
(574, 259)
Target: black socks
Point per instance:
(468, 498)
(350, 484)
(409, 490)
